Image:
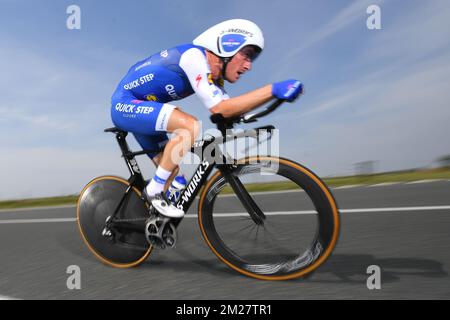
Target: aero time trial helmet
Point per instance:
(227, 38)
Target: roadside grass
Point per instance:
(334, 182)
(39, 202)
(399, 176)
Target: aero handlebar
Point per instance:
(252, 117)
(227, 123)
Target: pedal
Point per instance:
(160, 232)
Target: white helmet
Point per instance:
(227, 38)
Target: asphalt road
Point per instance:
(409, 240)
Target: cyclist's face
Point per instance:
(241, 63)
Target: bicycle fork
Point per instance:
(244, 197)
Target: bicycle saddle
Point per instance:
(114, 130)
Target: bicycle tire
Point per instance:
(97, 201)
(326, 235)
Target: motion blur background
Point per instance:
(376, 100)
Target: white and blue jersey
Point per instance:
(140, 103)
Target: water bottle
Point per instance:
(177, 186)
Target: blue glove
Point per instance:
(287, 90)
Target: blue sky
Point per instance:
(370, 94)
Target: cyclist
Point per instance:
(141, 105)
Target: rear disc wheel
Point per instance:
(98, 201)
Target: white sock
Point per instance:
(158, 182)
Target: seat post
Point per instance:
(136, 178)
(121, 140)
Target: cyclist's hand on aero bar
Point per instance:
(287, 90)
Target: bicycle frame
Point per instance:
(201, 174)
(194, 186)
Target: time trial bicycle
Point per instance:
(279, 220)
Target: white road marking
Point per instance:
(384, 184)
(238, 214)
(18, 221)
(398, 209)
(309, 212)
(7, 298)
(424, 181)
(38, 208)
(350, 186)
(252, 193)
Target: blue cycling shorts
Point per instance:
(147, 120)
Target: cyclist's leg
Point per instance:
(153, 118)
(145, 119)
(185, 129)
(156, 143)
(156, 160)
